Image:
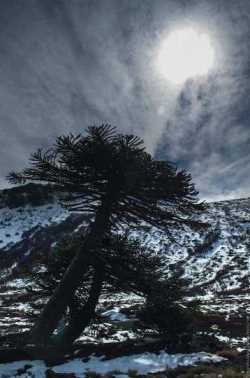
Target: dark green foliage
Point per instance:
(128, 266)
(113, 178)
(165, 310)
(105, 164)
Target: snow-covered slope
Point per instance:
(217, 260)
(15, 223)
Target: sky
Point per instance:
(68, 64)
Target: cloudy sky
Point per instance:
(68, 64)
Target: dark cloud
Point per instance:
(67, 64)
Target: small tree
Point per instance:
(166, 310)
(112, 177)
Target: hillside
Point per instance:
(216, 263)
(30, 212)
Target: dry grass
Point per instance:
(205, 371)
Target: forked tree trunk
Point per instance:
(81, 318)
(57, 304)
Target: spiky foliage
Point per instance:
(104, 163)
(128, 266)
(166, 310)
(111, 176)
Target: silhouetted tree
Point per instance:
(166, 310)
(112, 177)
(126, 267)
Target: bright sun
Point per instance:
(185, 54)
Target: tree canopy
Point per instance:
(110, 176)
(103, 163)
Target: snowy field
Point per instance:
(142, 363)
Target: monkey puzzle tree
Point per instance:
(126, 267)
(112, 177)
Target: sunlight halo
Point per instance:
(185, 54)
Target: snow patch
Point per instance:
(143, 363)
(115, 315)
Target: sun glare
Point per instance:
(185, 54)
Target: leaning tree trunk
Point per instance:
(57, 304)
(81, 318)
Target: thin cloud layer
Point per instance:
(68, 64)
